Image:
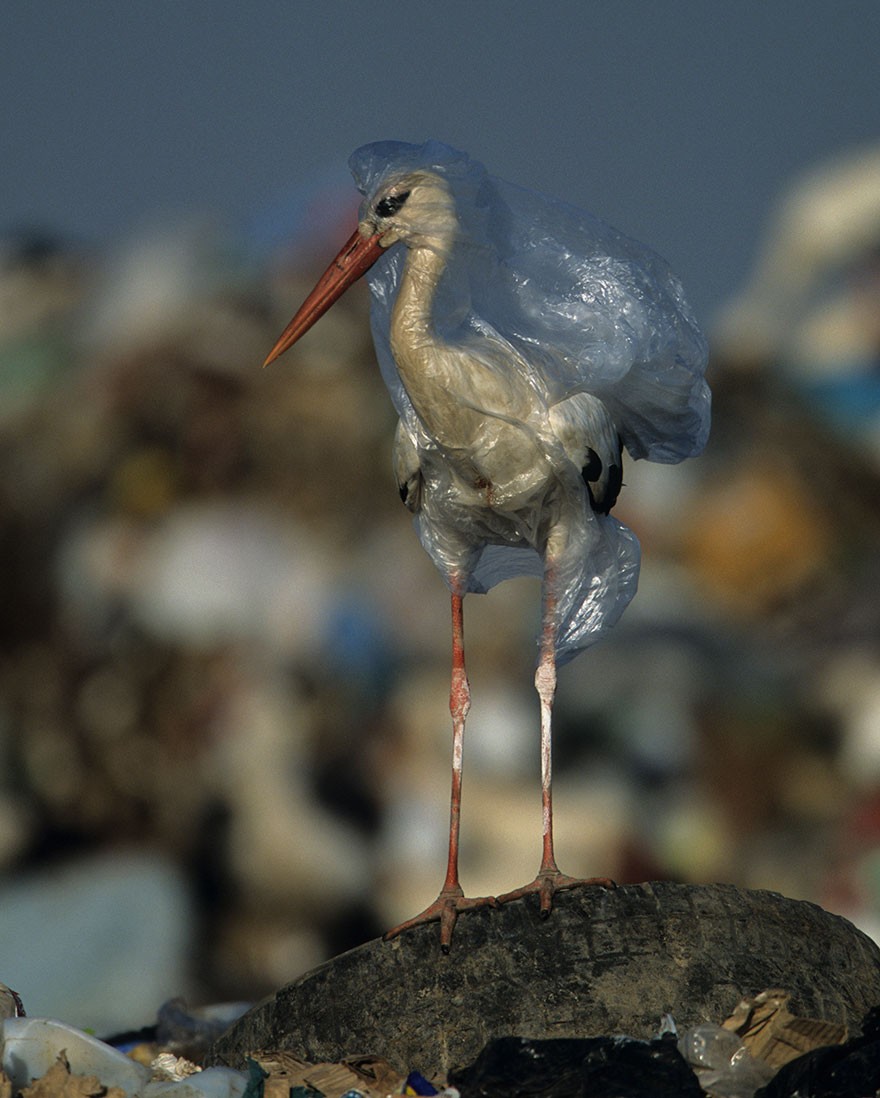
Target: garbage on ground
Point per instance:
(285, 1073)
(173, 1068)
(737, 1058)
(763, 1050)
(180, 1033)
(564, 1067)
(850, 1070)
(722, 1063)
(774, 1035)
(63, 1062)
(31, 1047)
(58, 1082)
(354, 1077)
(45, 1058)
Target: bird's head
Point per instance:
(415, 208)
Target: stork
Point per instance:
(525, 344)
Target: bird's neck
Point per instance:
(432, 374)
(412, 318)
(473, 402)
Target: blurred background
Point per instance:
(224, 657)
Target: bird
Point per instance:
(526, 346)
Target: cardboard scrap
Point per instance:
(144, 1053)
(5, 1085)
(371, 1075)
(59, 1083)
(771, 1033)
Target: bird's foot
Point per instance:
(445, 909)
(550, 881)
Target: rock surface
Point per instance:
(603, 963)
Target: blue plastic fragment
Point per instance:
(256, 1080)
(416, 1083)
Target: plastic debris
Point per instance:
(707, 1059)
(416, 1083)
(553, 304)
(722, 1063)
(256, 1080)
(172, 1068)
(850, 1070)
(772, 1033)
(568, 1067)
(215, 1082)
(31, 1047)
(737, 1058)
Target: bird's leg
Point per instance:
(549, 879)
(452, 899)
(545, 684)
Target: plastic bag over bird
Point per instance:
(584, 309)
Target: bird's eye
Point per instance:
(391, 203)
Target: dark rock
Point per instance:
(604, 963)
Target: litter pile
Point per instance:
(763, 1050)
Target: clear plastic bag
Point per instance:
(550, 312)
(722, 1063)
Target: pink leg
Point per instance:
(452, 899)
(549, 880)
(459, 707)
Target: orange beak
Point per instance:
(357, 255)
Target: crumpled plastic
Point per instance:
(578, 308)
(722, 1062)
(31, 1048)
(567, 1067)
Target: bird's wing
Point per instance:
(589, 310)
(589, 438)
(407, 468)
(597, 312)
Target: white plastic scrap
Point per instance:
(30, 1047)
(723, 1064)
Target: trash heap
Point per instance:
(763, 1050)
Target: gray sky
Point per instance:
(679, 121)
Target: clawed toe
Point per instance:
(445, 909)
(548, 882)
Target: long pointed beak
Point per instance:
(357, 255)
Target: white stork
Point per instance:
(525, 343)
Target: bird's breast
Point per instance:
(475, 412)
(503, 473)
